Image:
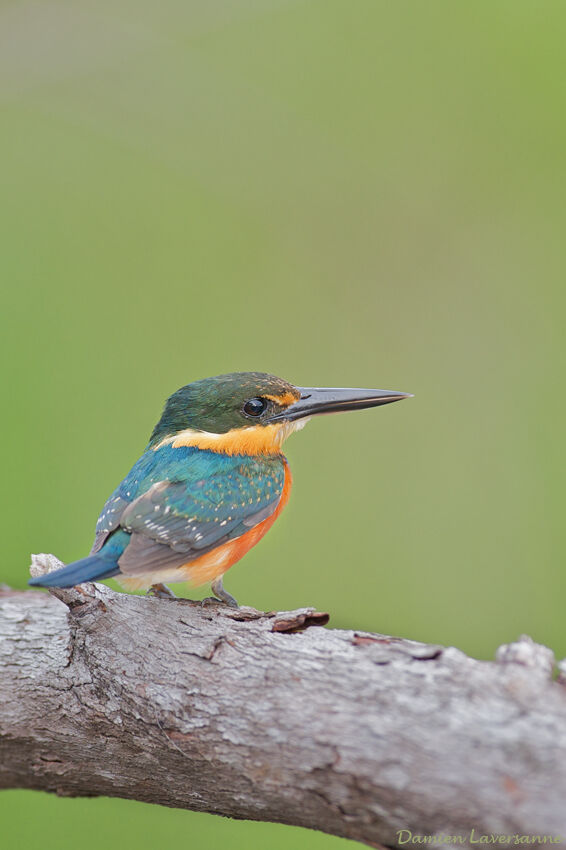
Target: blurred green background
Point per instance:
(344, 193)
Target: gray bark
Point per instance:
(240, 713)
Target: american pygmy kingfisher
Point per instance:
(210, 484)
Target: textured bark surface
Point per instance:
(235, 712)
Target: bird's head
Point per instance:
(251, 412)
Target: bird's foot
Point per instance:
(214, 600)
(220, 595)
(160, 591)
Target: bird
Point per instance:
(209, 485)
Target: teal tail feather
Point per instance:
(93, 568)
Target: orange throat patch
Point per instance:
(253, 440)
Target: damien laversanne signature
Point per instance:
(406, 836)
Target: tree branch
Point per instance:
(236, 712)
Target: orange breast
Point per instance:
(214, 564)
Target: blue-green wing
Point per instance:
(109, 520)
(151, 467)
(176, 521)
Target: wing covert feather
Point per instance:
(174, 522)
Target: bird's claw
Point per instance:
(160, 591)
(214, 600)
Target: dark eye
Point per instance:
(255, 406)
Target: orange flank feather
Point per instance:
(210, 566)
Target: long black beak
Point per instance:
(315, 400)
